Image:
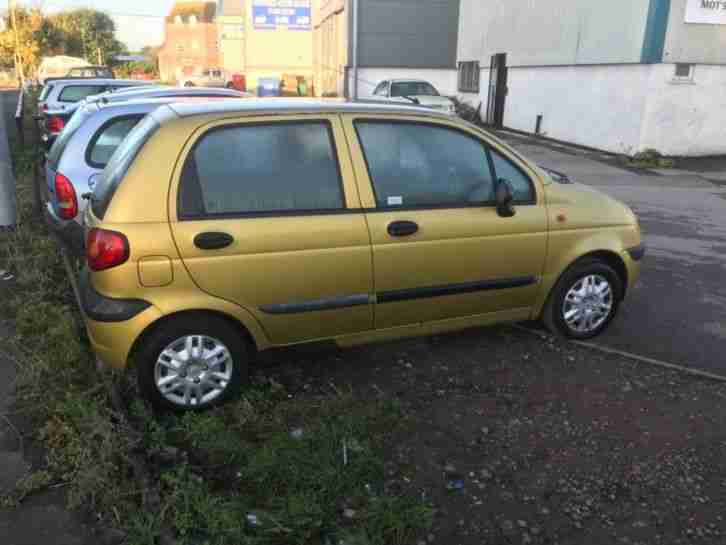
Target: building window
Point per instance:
(178, 20)
(179, 48)
(469, 74)
(192, 20)
(683, 72)
(195, 44)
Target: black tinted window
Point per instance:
(120, 163)
(108, 138)
(523, 190)
(262, 168)
(412, 164)
(74, 93)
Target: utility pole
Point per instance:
(12, 8)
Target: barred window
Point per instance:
(469, 74)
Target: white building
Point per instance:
(621, 75)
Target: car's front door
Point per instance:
(267, 215)
(440, 250)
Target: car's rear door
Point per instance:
(265, 213)
(440, 250)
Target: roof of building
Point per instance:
(300, 105)
(204, 11)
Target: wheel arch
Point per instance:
(609, 257)
(234, 322)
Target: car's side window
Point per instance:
(522, 185)
(108, 138)
(274, 168)
(425, 165)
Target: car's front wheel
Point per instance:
(584, 301)
(192, 362)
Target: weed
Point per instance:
(232, 475)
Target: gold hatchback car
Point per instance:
(222, 229)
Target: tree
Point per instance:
(29, 29)
(89, 34)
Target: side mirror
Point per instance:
(504, 198)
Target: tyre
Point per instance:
(230, 85)
(189, 84)
(192, 363)
(584, 301)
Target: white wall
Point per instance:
(597, 106)
(686, 118)
(619, 108)
(552, 32)
(368, 78)
(693, 43)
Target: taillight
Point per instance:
(55, 124)
(45, 107)
(106, 249)
(66, 195)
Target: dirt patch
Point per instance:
(520, 440)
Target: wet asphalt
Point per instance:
(677, 311)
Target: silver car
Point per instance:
(81, 152)
(61, 98)
(161, 91)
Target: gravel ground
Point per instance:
(518, 438)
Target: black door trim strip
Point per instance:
(332, 303)
(314, 305)
(455, 289)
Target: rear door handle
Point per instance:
(402, 228)
(213, 241)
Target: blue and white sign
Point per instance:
(289, 14)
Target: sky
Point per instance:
(138, 22)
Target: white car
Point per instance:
(208, 78)
(413, 91)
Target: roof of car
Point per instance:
(404, 80)
(153, 101)
(298, 105)
(172, 91)
(93, 81)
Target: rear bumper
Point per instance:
(113, 325)
(70, 233)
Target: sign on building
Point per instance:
(282, 14)
(708, 12)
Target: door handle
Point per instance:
(213, 241)
(402, 228)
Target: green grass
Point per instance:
(195, 478)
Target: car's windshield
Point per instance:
(413, 88)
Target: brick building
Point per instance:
(191, 40)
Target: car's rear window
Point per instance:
(74, 93)
(71, 128)
(119, 164)
(108, 138)
(45, 92)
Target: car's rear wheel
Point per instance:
(584, 301)
(192, 362)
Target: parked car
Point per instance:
(271, 223)
(91, 71)
(418, 92)
(214, 77)
(82, 151)
(60, 98)
(166, 91)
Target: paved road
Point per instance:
(677, 312)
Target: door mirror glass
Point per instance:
(505, 197)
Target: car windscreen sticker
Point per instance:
(395, 201)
